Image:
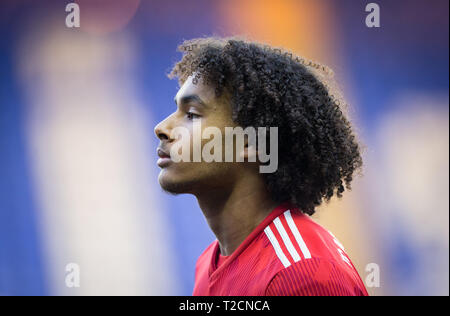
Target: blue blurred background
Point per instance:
(78, 179)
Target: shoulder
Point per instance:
(315, 277)
(311, 255)
(293, 236)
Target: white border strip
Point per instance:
(277, 247)
(297, 235)
(286, 240)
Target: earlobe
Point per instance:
(249, 153)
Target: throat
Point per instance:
(233, 219)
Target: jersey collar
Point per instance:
(213, 272)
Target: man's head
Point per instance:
(231, 82)
(196, 103)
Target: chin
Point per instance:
(171, 185)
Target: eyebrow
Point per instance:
(190, 98)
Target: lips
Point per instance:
(164, 158)
(162, 153)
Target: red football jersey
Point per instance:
(287, 254)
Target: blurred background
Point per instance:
(78, 174)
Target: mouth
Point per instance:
(164, 158)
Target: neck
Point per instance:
(233, 215)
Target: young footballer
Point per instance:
(259, 208)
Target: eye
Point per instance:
(192, 116)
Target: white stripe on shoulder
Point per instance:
(298, 237)
(276, 246)
(286, 240)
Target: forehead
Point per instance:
(206, 93)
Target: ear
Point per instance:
(250, 153)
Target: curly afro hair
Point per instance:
(318, 152)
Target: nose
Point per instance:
(162, 131)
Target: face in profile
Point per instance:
(195, 103)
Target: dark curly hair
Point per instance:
(318, 152)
